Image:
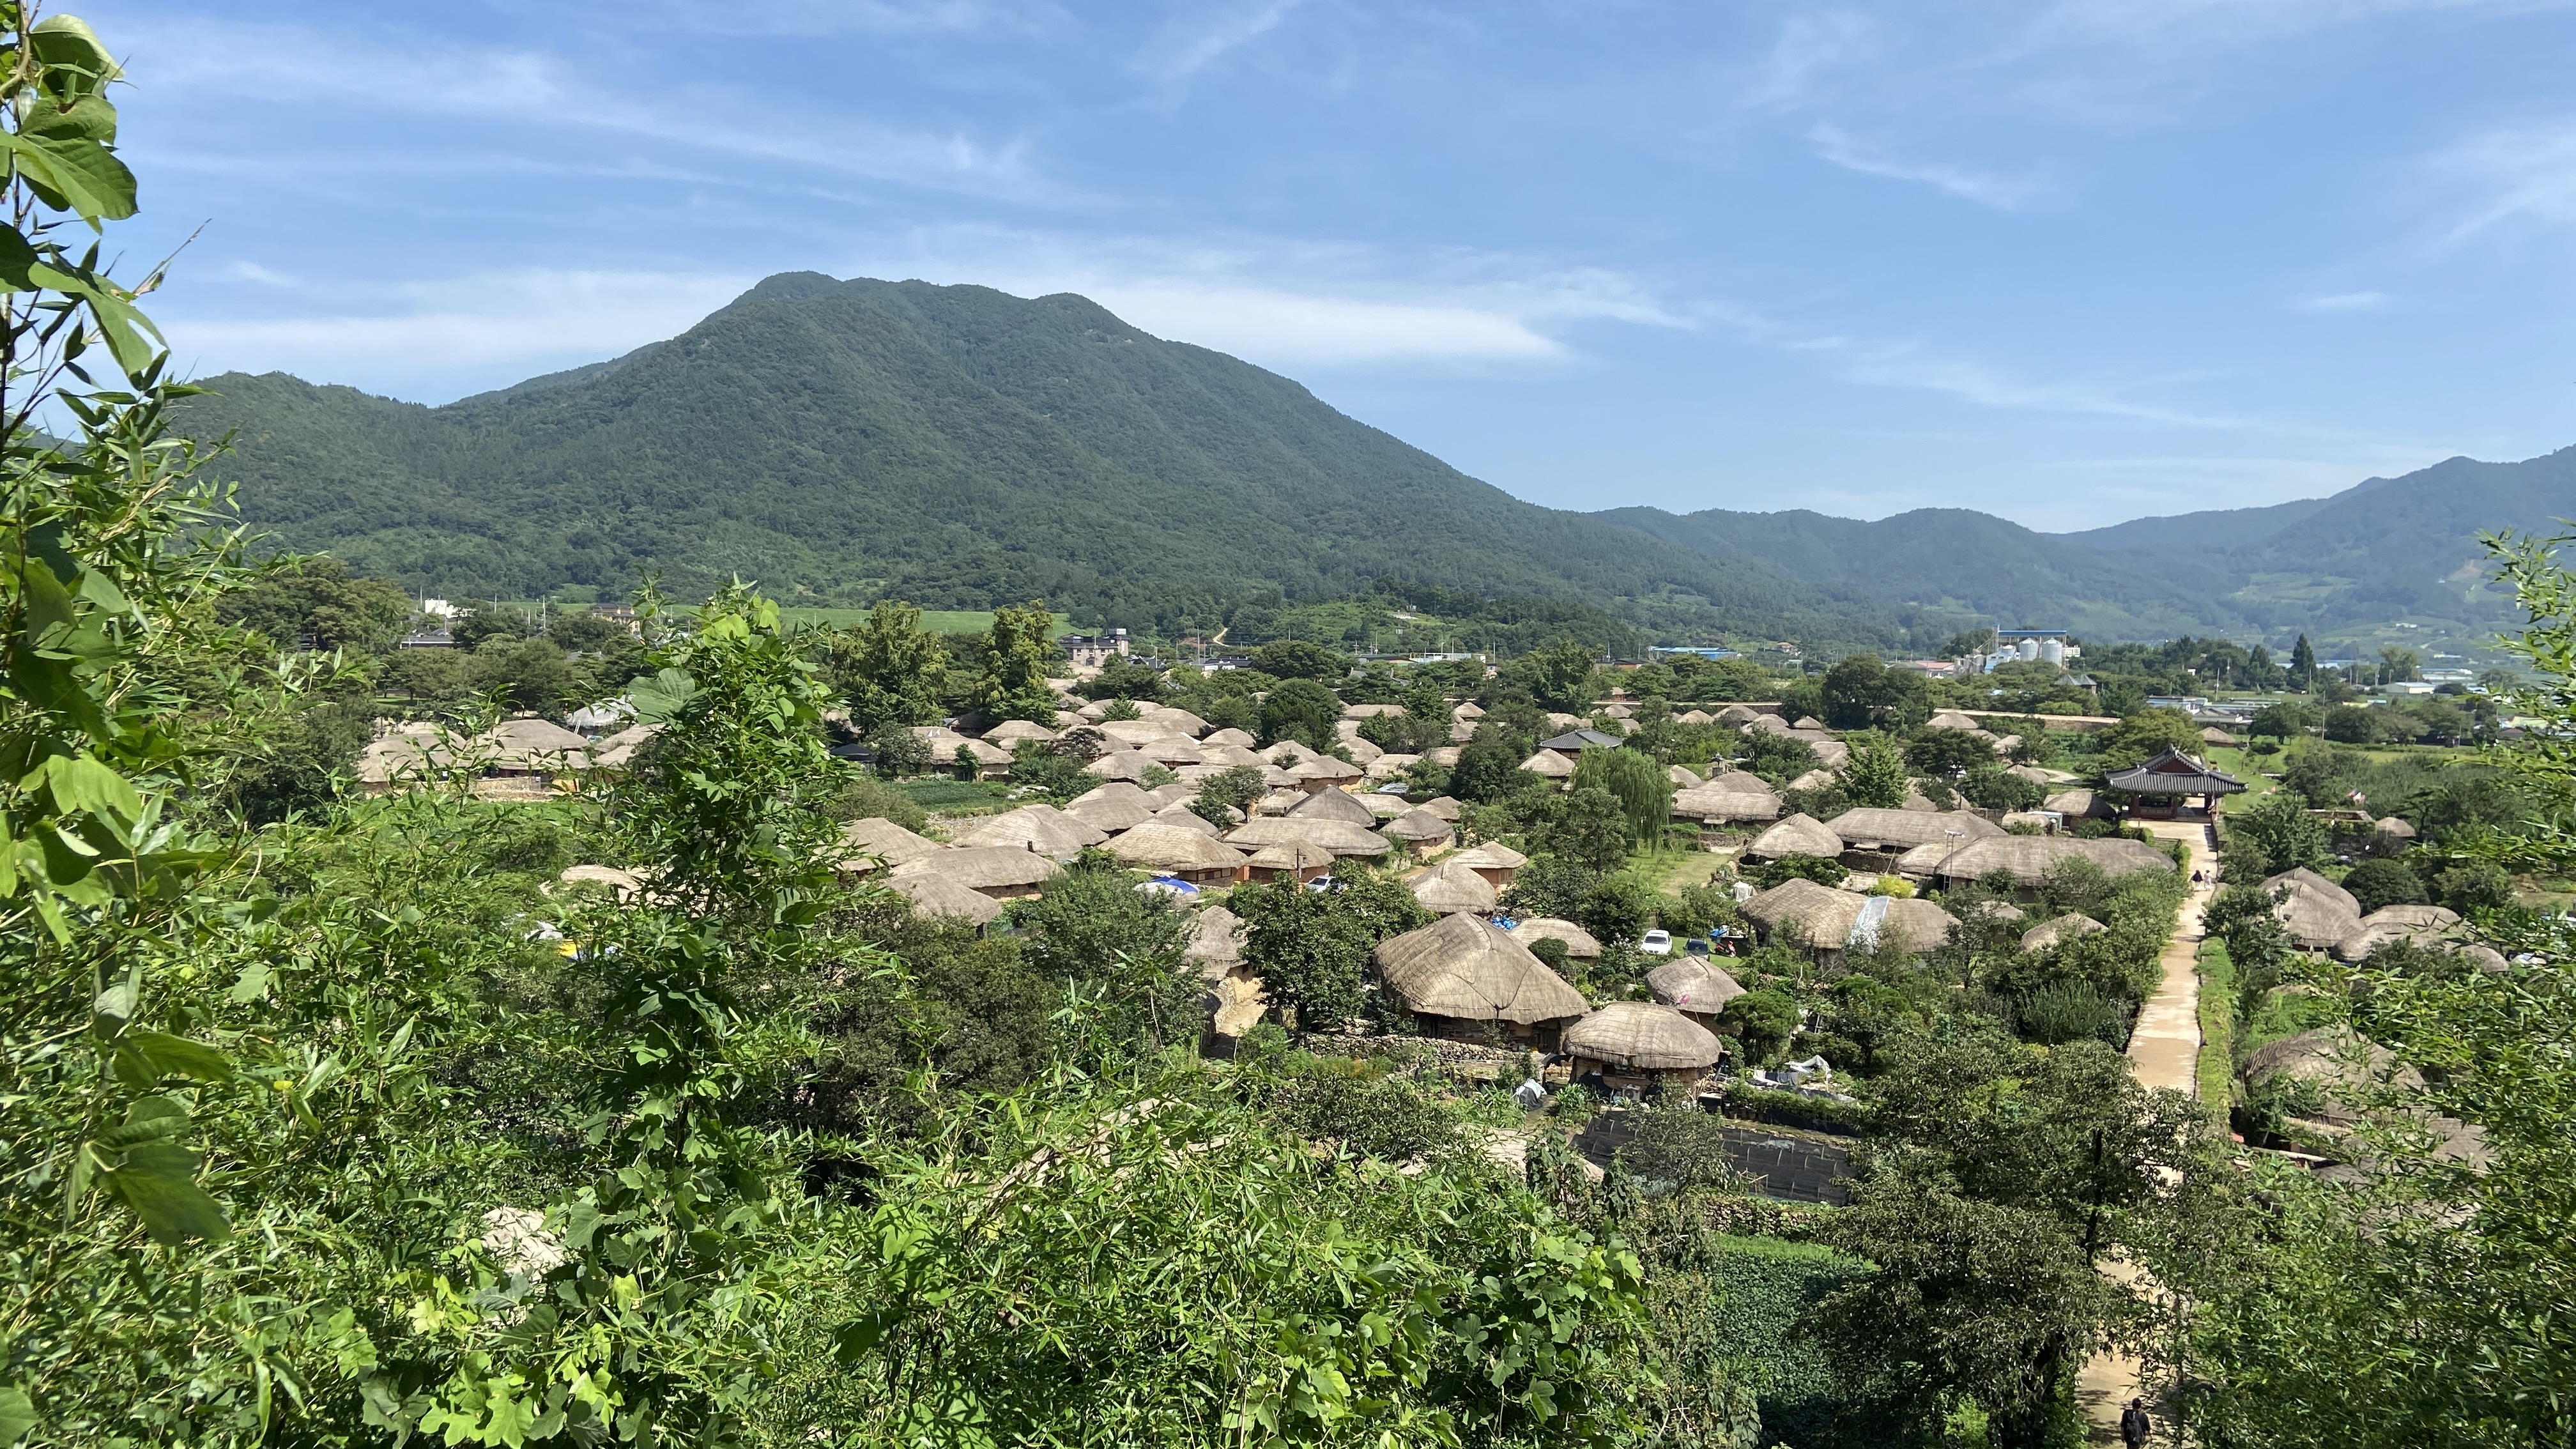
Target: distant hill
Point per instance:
(842, 442)
(2384, 553)
(956, 446)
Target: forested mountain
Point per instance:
(846, 441)
(2384, 550)
(957, 446)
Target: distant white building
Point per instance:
(1093, 651)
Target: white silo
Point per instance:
(2052, 651)
(2029, 649)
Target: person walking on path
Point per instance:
(2134, 1426)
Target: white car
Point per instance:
(1656, 943)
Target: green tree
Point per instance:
(1559, 677)
(1301, 659)
(1300, 710)
(1860, 692)
(2303, 664)
(320, 601)
(1763, 1020)
(1992, 787)
(889, 669)
(1618, 909)
(1018, 651)
(1311, 948)
(1489, 771)
(2354, 724)
(2377, 883)
(2143, 733)
(1123, 678)
(1644, 791)
(2285, 720)
(1946, 752)
(1874, 775)
(1589, 828)
(2280, 826)
(1227, 794)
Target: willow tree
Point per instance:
(1644, 791)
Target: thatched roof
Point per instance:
(1387, 767)
(933, 894)
(1449, 887)
(1121, 765)
(1297, 855)
(1684, 777)
(1953, 719)
(1216, 942)
(1730, 795)
(1580, 944)
(1736, 714)
(1126, 790)
(2394, 828)
(1821, 917)
(1279, 802)
(1875, 829)
(625, 885)
(1491, 855)
(2029, 858)
(2305, 880)
(2315, 921)
(2213, 735)
(1241, 739)
(880, 837)
(1468, 710)
(1644, 1037)
(983, 868)
(1694, 717)
(1042, 827)
(1369, 711)
(409, 754)
(1812, 780)
(1559, 719)
(1173, 717)
(1917, 801)
(2038, 776)
(1550, 764)
(1362, 753)
(1184, 817)
(2334, 1058)
(1830, 752)
(1011, 730)
(1334, 805)
(1416, 825)
(1800, 834)
(1464, 969)
(1138, 731)
(1923, 861)
(1112, 816)
(2422, 925)
(1179, 792)
(1325, 767)
(2080, 805)
(1694, 984)
(1157, 846)
(1338, 836)
(1443, 806)
(1444, 755)
(1230, 756)
(2059, 928)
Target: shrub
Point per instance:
(1618, 909)
(2072, 1011)
(1821, 869)
(1763, 1020)
(2377, 883)
(2480, 885)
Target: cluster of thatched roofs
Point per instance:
(1949, 846)
(411, 753)
(2320, 915)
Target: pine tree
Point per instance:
(2303, 664)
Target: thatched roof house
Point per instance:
(1418, 830)
(1339, 837)
(1643, 1042)
(1460, 974)
(1176, 719)
(2422, 925)
(2308, 882)
(1387, 767)
(1445, 807)
(1493, 860)
(933, 894)
(1176, 851)
(2081, 805)
(1800, 834)
(1117, 790)
(2059, 928)
(2029, 858)
(1041, 828)
(624, 885)
(1362, 753)
(1695, 986)
(1731, 795)
(1902, 830)
(1448, 888)
(1738, 714)
(1241, 739)
(1183, 817)
(1953, 719)
(1339, 805)
(1923, 861)
(1821, 918)
(1580, 944)
(2213, 735)
(1113, 815)
(1468, 710)
(1122, 765)
(1813, 780)
(1294, 858)
(2394, 827)
(1550, 764)
(1000, 871)
(864, 843)
(1011, 731)
(1683, 777)
(1323, 772)
(1215, 943)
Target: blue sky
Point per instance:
(2066, 262)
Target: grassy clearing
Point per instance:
(2216, 1068)
(1673, 871)
(955, 797)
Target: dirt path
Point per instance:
(2164, 1051)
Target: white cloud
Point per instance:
(254, 65)
(2007, 193)
(2345, 302)
(2523, 176)
(529, 319)
(1292, 304)
(1180, 50)
(1808, 47)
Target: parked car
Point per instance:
(1658, 942)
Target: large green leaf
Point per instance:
(159, 1181)
(78, 176)
(176, 1056)
(17, 1414)
(66, 44)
